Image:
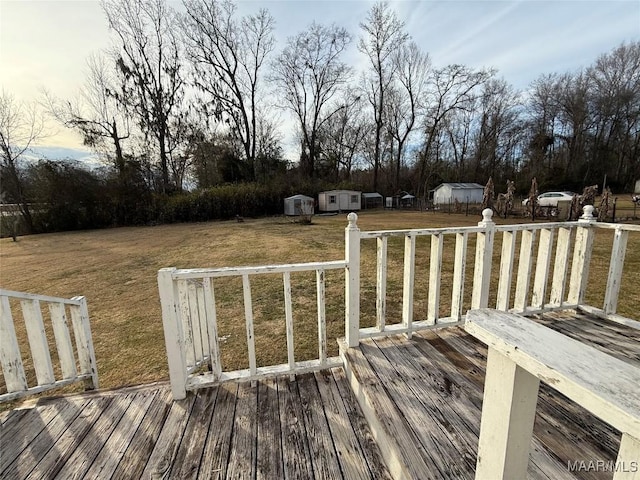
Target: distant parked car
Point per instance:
(550, 199)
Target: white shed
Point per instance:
(462, 192)
(339, 201)
(299, 205)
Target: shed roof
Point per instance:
(299, 197)
(460, 186)
(340, 191)
(371, 195)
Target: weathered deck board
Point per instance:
(216, 450)
(370, 449)
(269, 449)
(295, 445)
(242, 458)
(135, 458)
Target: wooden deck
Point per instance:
(309, 428)
(424, 399)
(425, 396)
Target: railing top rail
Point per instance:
(617, 226)
(41, 298)
(189, 273)
(420, 232)
(536, 226)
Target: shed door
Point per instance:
(344, 201)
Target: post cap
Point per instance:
(487, 214)
(587, 215)
(352, 218)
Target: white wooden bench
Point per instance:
(521, 354)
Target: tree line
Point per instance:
(183, 101)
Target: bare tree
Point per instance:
(383, 35)
(452, 88)
(100, 119)
(342, 136)
(149, 59)
(616, 103)
(309, 74)
(21, 125)
(497, 109)
(228, 55)
(405, 100)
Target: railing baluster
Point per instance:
(524, 270)
(561, 264)
(187, 323)
(616, 265)
(212, 326)
(38, 341)
(195, 321)
(10, 357)
(202, 320)
(63, 339)
(408, 281)
(506, 269)
(459, 267)
(288, 313)
(543, 262)
(322, 321)
(381, 283)
(435, 278)
(248, 315)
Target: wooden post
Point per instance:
(84, 341)
(352, 283)
(10, 356)
(508, 413)
(616, 265)
(581, 257)
(173, 336)
(484, 254)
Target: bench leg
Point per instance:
(628, 462)
(508, 413)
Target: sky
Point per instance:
(46, 43)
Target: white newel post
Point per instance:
(173, 336)
(581, 257)
(90, 353)
(352, 281)
(484, 258)
(508, 414)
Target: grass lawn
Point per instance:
(116, 270)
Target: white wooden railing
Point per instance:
(191, 325)
(560, 252)
(77, 362)
(523, 353)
